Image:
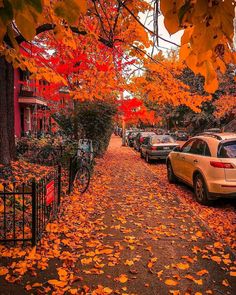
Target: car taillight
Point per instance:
(141, 139)
(221, 165)
(153, 148)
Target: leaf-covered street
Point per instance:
(129, 234)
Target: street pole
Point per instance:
(123, 122)
(123, 132)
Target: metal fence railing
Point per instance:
(26, 208)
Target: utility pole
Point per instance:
(123, 122)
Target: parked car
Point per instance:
(207, 163)
(138, 140)
(157, 147)
(181, 135)
(130, 138)
(213, 130)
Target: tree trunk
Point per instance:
(7, 137)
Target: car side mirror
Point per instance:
(177, 149)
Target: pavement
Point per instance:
(127, 235)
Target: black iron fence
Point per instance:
(26, 208)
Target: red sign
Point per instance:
(50, 192)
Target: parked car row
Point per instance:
(206, 162)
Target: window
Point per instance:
(146, 140)
(162, 139)
(187, 146)
(227, 150)
(200, 147)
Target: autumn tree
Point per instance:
(22, 21)
(205, 46)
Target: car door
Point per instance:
(178, 159)
(144, 145)
(194, 158)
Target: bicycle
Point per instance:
(79, 177)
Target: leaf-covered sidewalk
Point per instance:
(127, 235)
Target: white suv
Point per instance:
(206, 162)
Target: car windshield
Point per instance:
(228, 150)
(145, 134)
(162, 139)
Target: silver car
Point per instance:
(157, 147)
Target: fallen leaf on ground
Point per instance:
(170, 282)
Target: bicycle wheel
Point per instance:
(82, 179)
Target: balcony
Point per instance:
(27, 96)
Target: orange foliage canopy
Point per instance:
(133, 111)
(207, 42)
(159, 83)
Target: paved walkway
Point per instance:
(128, 235)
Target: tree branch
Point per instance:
(150, 31)
(50, 27)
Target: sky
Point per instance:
(146, 20)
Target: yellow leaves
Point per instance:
(129, 262)
(107, 290)
(122, 278)
(57, 283)
(171, 282)
(3, 270)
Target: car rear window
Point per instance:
(162, 139)
(227, 150)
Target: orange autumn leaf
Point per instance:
(32, 253)
(225, 283)
(170, 282)
(57, 283)
(202, 272)
(232, 273)
(86, 260)
(216, 259)
(3, 270)
(182, 265)
(122, 278)
(190, 277)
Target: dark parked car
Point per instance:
(181, 135)
(130, 138)
(157, 147)
(140, 138)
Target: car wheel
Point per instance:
(170, 173)
(201, 191)
(147, 159)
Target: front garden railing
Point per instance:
(26, 208)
